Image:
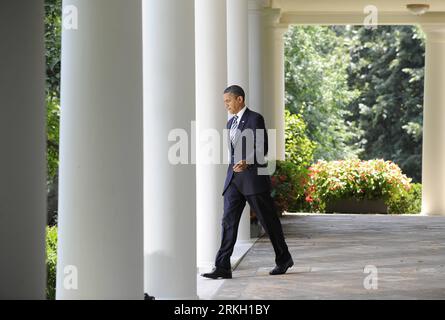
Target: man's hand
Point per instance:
(240, 166)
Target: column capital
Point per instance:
(280, 29)
(272, 16)
(257, 5)
(434, 32)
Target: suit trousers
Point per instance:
(265, 209)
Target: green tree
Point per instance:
(316, 62)
(53, 22)
(387, 67)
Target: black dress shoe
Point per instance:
(283, 268)
(148, 297)
(218, 273)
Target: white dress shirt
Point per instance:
(240, 113)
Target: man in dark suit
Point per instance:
(247, 180)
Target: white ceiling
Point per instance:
(352, 11)
(353, 5)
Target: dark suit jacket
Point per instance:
(251, 146)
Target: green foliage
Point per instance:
(53, 21)
(316, 62)
(409, 202)
(299, 149)
(52, 122)
(387, 68)
(51, 262)
(288, 186)
(359, 90)
(53, 35)
(373, 179)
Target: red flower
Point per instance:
(309, 199)
(282, 178)
(274, 181)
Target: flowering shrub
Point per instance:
(408, 202)
(287, 186)
(353, 178)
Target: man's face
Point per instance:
(233, 104)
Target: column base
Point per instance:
(205, 266)
(433, 214)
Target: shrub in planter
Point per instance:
(51, 262)
(354, 205)
(290, 175)
(409, 202)
(287, 186)
(354, 179)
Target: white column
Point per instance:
(100, 252)
(270, 87)
(237, 44)
(22, 143)
(433, 169)
(238, 73)
(256, 34)
(211, 117)
(169, 184)
(279, 90)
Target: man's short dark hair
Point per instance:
(237, 91)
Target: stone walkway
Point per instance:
(331, 252)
